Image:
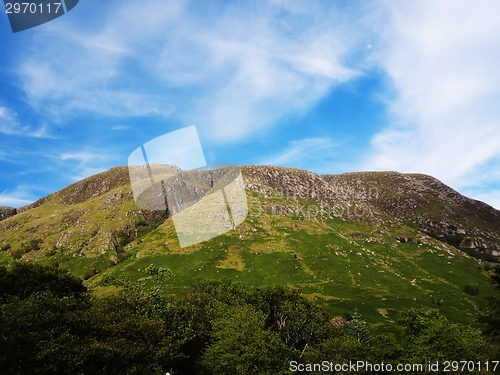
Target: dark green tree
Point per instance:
(298, 321)
(358, 329)
(491, 317)
(42, 334)
(25, 279)
(431, 337)
(243, 345)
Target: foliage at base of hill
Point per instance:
(49, 323)
(492, 314)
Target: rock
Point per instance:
(6, 212)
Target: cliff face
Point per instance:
(99, 215)
(425, 202)
(6, 212)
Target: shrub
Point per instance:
(31, 245)
(5, 247)
(471, 289)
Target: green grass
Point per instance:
(342, 265)
(326, 263)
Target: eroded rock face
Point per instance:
(180, 190)
(95, 185)
(99, 214)
(423, 201)
(6, 212)
(299, 186)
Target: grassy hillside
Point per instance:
(343, 265)
(341, 250)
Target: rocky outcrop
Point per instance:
(94, 186)
(6, 212)
(296, 186)
(99, 213)
(425, 202)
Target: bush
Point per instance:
(31, 245)
(486, 266)
(454, 240)
(428, 334)
(25, 279)
(26, 247)
(471, 289)
(5, 247)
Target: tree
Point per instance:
(358, 329)
(26, 279)
(492, 314)
(41, 334)
(431, 337)
(243, 345)
(149, 286)
(298, 321)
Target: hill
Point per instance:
(376, 241)
(426, 203)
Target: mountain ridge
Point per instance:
(414, 199)
(333, 238)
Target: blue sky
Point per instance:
(329, 86)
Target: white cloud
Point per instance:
(245, 67)
(272, 74)
(82, 164)
(8, 122)
(64, 89)
(71, 68)
(18, 197)
(11, 125)
(442, 59)
(83, 157)
(316, 154)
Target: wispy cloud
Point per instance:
(317, 154)
(83, 157)
(18, 197)
(232, 72)
(272, 75)
(10, 124)
(83, 164)
(442, 59)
